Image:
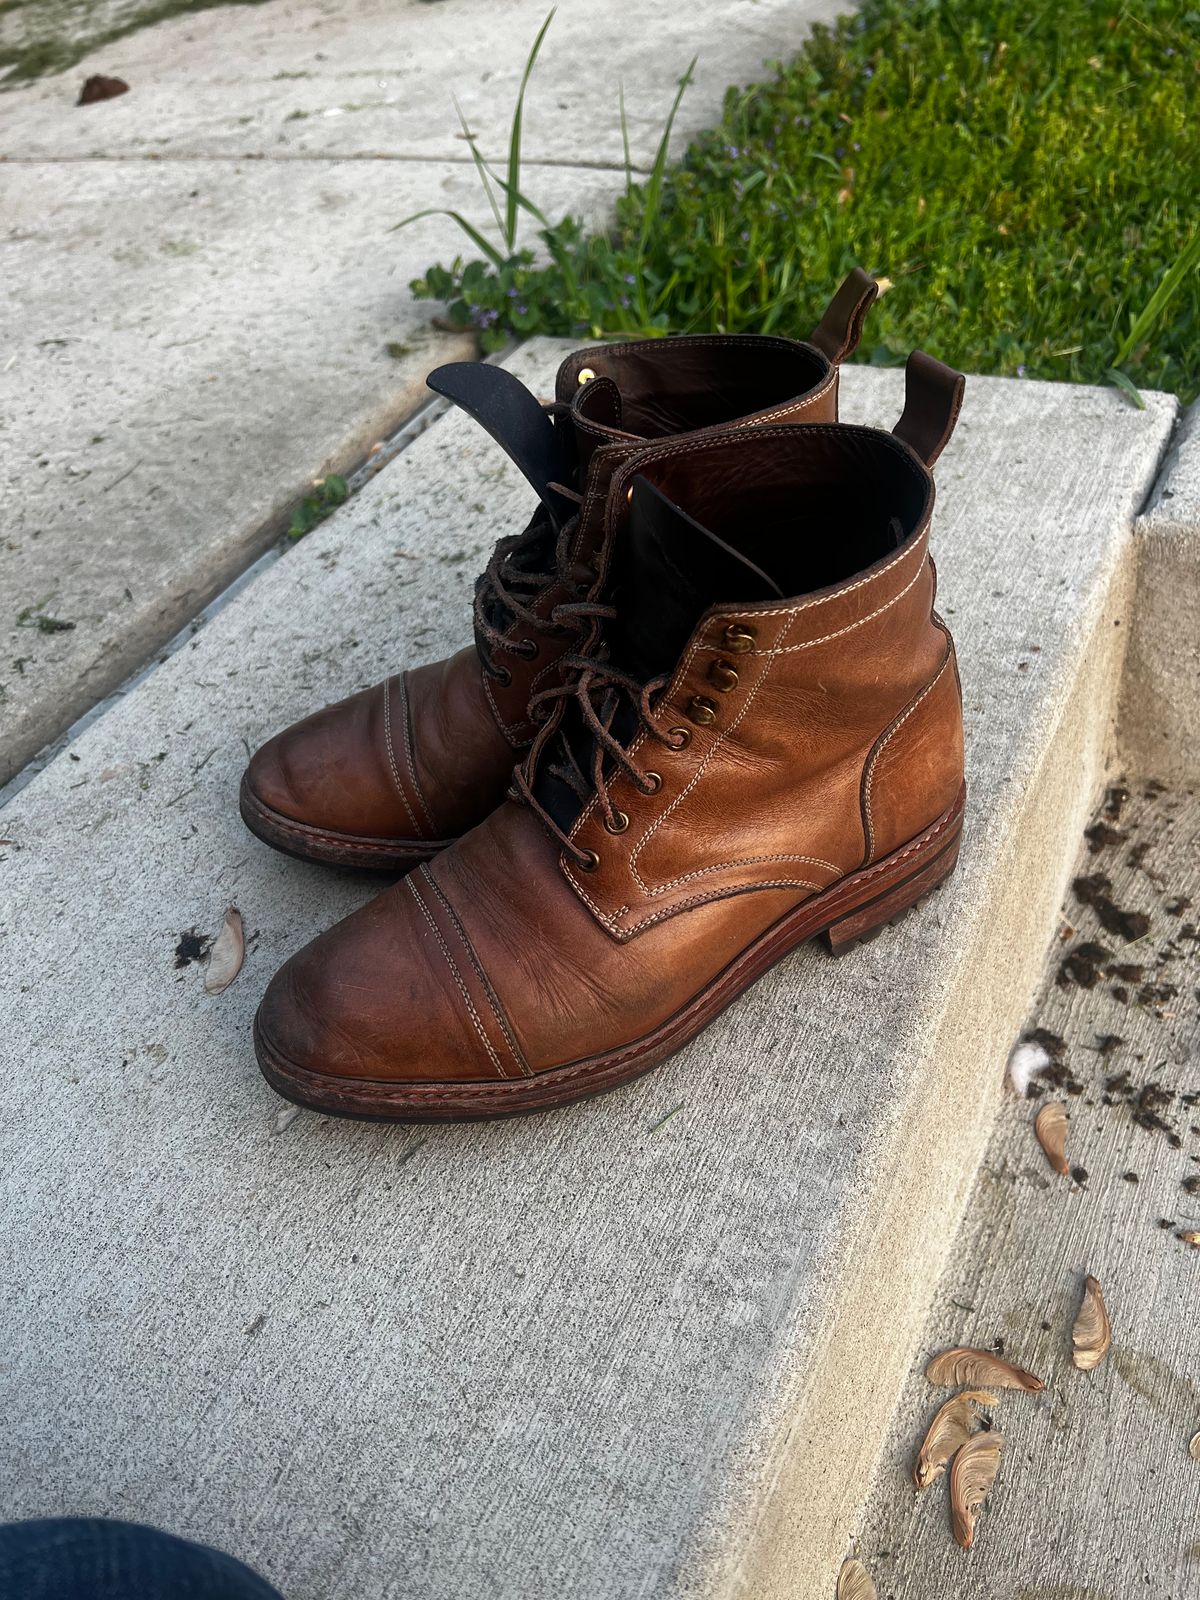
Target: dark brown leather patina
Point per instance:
(757, 739)
(389, 776)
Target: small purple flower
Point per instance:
(868, 72)
(856, 145)
(512, 294)
(745, 236)
(1021, 370)
(625, 301)
(629, 278)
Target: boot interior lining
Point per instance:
(811, 512)
(711, 382)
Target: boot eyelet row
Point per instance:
(617, 823)
(738, 638)
(723, 676)
(529, 649)
(502, 676)
(653, 782)
(702, 710)
(590, 861)
(679, 738)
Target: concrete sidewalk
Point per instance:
(590, 1353)
(205, 286)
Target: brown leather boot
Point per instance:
(391, 775)
(761, 741)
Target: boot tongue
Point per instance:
(517, 421)
(667, 571)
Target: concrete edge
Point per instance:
(1158, 728)
(147, 635)
(830, 1439)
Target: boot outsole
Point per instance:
(308, 843)
(857, 907)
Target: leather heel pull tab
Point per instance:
(839, 330)
(933, 397)
(517, 421)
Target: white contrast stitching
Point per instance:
(457, 975)
(882, 745)
(391, 755)
(408, 752)
(501, 1019)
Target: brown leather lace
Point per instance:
(513, 593)
(597, 688)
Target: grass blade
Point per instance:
(512, 188)
(1186, 261)
(625, 138)
(473, 234)
(653, 190)
(1125, 383)
(481, 165)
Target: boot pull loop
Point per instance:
(837, 334)
(933, 396)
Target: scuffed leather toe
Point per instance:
(380, 996)
(330, 771)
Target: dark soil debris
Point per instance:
(1101, 835)
(192, 946)
(1114, 801)
(1094, 892)
(1083, 965)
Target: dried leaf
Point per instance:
(954, 1424)
(1190, 1236)
(1051, 1129)
(1092, 1333)
(954, 1368)
(98, 87)
(855, 1582)
(972, 1473)
(227, 955)
(1194, 1447)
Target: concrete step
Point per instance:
(1096, 1494)
(592, 1353)
(205, 284)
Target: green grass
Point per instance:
(1025, 175)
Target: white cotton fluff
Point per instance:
(1025, 1062)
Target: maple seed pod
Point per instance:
(956, 1421)
(1050, 1125)
(972, 1473)
(228, 953)
(855, 1582)
(979, 1368)
(1092, 1333)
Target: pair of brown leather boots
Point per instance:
(736, 716)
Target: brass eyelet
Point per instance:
(738, 638)
(629, 495)
(618, 823)
(585, 375)
(529, 649)
(702, 710)
(653, 782)
(502, 676)
(679, 738)
(590, 861)
(723, 676)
